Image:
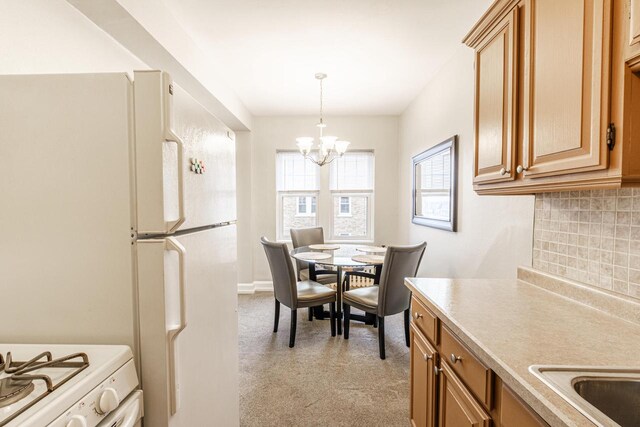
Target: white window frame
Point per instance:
(280, 212)
(308, 207)
(369, 195)
(324, 215)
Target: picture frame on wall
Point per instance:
(435, 192)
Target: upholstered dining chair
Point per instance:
(292, 293)
(305, 237)
(390, 296)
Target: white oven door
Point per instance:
(128, 414)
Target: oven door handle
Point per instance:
(172, 334)
(131, 416)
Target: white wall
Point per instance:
(494, 232)
(51, 36)
(244, 201)
(269, 134)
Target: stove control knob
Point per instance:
(77, 421)
(108, 401)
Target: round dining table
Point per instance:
(341, 258)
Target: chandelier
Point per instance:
(329, 148)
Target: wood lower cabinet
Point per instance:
(423, 382)
(451, 387)
(458, 407)
(515, 413)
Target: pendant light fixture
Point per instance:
(329, 147)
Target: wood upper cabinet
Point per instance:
(423, 384)
(566, 86)
(634, 22)
(555, 101)
(457, 406)
(495, 115)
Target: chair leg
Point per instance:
(310, 314)
(332, 318)
(375, 321)
(292, 333)
(406, 326)
(277, 317)
(381, 336)
(346, 308)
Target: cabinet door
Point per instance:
(458, 408)
(515, 413)
(423, 385)
(566, 86)
(634, 22)
(495, 103)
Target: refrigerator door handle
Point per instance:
(172, 334)
(172, 226)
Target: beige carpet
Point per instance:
(322, 381)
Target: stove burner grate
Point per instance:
(21, 383)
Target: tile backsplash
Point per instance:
(590, 236)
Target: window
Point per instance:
(351, 185)
(339, 199)
(297, 188)
(345, 205)
(306, 206)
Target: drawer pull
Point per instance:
(454, 359)
(427, 357)
(417, 315)
(436, 370)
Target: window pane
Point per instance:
(344, 205)
(356, 222)
(435, 204)
(293, 216)
(294, 172)
(302, 205)
(353, 171)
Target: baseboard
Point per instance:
(252, 288)
(246, 288)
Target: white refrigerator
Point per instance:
(117, 226)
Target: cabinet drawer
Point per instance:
(425, 320)
(471, 371)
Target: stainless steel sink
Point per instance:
(607, 396)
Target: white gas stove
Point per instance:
(68, 386)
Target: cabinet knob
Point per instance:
(436, 370)
(521, 169)
(454, 359)
(427, 357)
(504, 171)
(417, 315)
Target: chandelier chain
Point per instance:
(321, 106)
(330, 148)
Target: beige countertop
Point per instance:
(511, 325)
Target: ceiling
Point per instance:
(378, 54)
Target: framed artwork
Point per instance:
(435, 186)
